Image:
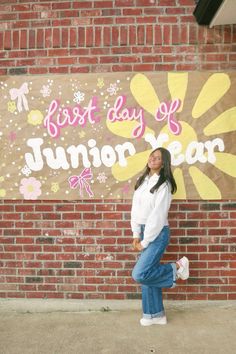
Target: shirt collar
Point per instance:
(154, 177)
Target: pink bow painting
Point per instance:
(19, 94)
(81, 181)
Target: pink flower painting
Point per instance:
(30, 188)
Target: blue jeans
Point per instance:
(154, 276)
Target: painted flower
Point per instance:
(2, 193)
(26, 170)
(126, 188)
(11, 106)
(35, 117)
(78, 97)
(102, 177)
(12, 136)
(215, 87)
(45, 91)
(82, 134)
(100, 82)
(55, 187)
(30, 188)
(112, 90)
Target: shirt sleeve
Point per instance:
(136, 229)
(157, 218)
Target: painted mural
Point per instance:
(89, 135)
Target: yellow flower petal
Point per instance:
(224, 123)
(179, 179)
(226, 163)
(215, 88)
(144, 93)
(178, 83)
(204, 185)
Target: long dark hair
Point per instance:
(166, 174)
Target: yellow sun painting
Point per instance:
(210, 94)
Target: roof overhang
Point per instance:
(215, 12)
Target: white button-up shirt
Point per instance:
(150, 209)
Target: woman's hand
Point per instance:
(137, 244)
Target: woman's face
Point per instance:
(155, 162)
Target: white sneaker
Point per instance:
(183, 271)
(151, 321)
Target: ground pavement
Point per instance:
(112, 327)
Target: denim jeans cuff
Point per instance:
(154, 315)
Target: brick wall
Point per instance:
(83, 249)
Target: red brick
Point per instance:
(7, 40)
(124, 3)
(188, 19)
(8, 287)
(65, 240)
(11, 216)
(92, 232)
(65, 207)
(98, 36)
(140, 35)
(115, 36)
(91, 13)
(89, 36)
(103, 21)
(132, 12)
(35, 295)
(123, 35)
(65, 37)
(73, 37)
(8, 240)
(24, 240)
(8, 16)
(13, 248)
(9, 232)
(82, 4)
(2, 42)
(103, 4)
(81, 36)
(71, 216)
(196, 296)
(64, 224)
(6, 208)
(7, 256)
(149, 35)
(23, 39)
(114, 296)
(36, 71)
(80, 69)
(144, 3)
(167, 34)
(158, 35)
(90, 60)
(132, 35)
(31, 216)
(167, 3)
(217, 297)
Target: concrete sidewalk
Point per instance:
(112, 327)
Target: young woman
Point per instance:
(149, 222)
